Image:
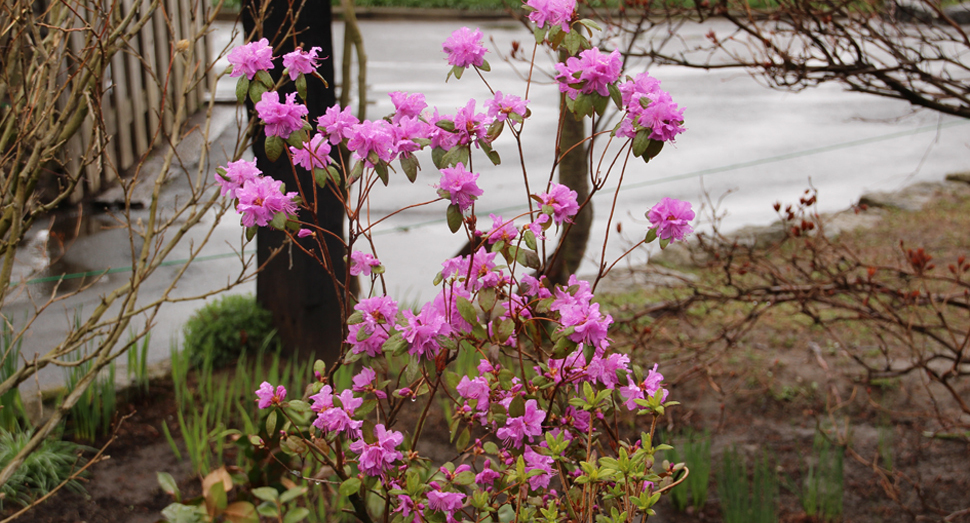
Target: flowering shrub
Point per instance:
(534, 386)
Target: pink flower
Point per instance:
(552, 12)
(377, 457)
(363, 382)
(475, 389)
(487, 476)
(604, 369)
(379, 313)
(589, 326)
(300, 62)
(458, 185)
(340, 419)
(447, 502)
(251, 58)
(671, 218)
(303, 233)
(528, 424)
(634, 391)
(407, 105)
(661, 115)
(280, 119)
(315, 154)
(261, 199)
(562, 200)
(501, 230)
(591, 73)
(362, 263)
(471, 126)
(422, 330)
(372, 141)
(337, 123)
(266, 396)
(536, 461)
(237, 174)
(464, 48)
(501, 106)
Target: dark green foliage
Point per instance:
(43, 470)
(743, 501)
(697, 456)
(12, 415)
(226, 329)
(91, 416)
(821, 493)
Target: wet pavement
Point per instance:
(759, 145)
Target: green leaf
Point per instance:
(179, 513)
(355, 172)
(349, 486)
(242, 88)
(517, 407)
(530, 240)
(486, 298)
(410, 166)
(334, 175)
(651, 235)
(167, 482)
(268, 509)
(664, 242)
(600, 103)
(251, 232)
(505, 329)
(296, 514)
(467, 310)
(355, 318)
(540, 34)
(301, 86)
(271, 422)
(279, 221)
(654, 148)
(381, 168)
(485, 67)
(455, 218)
(457, 71)
(495, 130)
(320, 177)
(582, 106)
(463, 440)
(256, 90)
(273, 147)
(266, 494)
(216, 496)
(438, 157)
(640, 142)
(494, 157)
(264, 78)
(615, 95)
(296, 139)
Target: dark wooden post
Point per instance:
(295, 287)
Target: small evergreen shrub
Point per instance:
(43, 470)
(226, 329)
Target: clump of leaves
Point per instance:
(43, 470)
(226, 329)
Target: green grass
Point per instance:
(43, 470)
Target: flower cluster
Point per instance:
(526, 364)
(649, 107)
(251, 58)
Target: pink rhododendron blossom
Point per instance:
(650, 385)
(340, 419)
(260, 200)
(501, 106)
(562, 200)
(475, 389)
(464, 48)
(591, 72)
(483, 272)
(552, 12)
(604, 369)
(371, 141)
(536, 227)
(377, 457)
(315, 154)
(581, 297)
(251, 58)
(379, 313)
(501, 230)
(322, 400)
(280, 119)
(649, 107)
(536, 461)
(447, 502)
(266, 396)
(671, 218)
(301, 62)
(458, 185)
(487, 476)
(303, 233)
(362, 263)
(589, 326)
(407, 105)
(471, 126)
(337, 123)
(528, 424)
(237, 174)
(406, 133)
(423, 329)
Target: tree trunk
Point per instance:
(306, 306)
(572, 174)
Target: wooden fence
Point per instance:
(139, 92)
